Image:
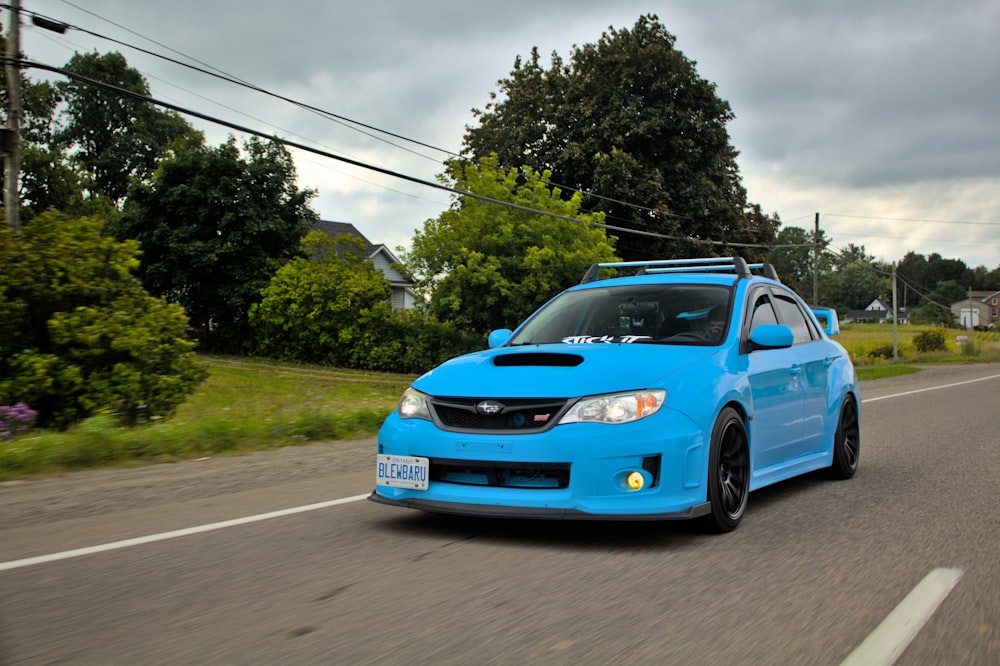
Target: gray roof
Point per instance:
(334, 229)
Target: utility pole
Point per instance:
(816, 261)
(895, 316)
(12, 133)
(972, 329)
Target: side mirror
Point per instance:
(498, 337)
(827, 319)
(772, 336)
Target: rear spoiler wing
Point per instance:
(827, 319)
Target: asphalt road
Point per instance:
(817, 567)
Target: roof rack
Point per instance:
(736, 265)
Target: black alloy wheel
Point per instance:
(728, 471)
(847, 441)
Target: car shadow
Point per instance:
(611, 535)
(592, 534)
(785, 491)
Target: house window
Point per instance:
(994, 302)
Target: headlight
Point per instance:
(616, 407)
(413, 405)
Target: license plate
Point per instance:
(402, 472)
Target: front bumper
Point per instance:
(598, 458)
(494, 511)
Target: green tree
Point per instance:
(940, 269)
(631, 123)
(81, 145)
(985, 279)
(488, 266)
(935, 307)
(332, 307)
(214, 226)
(793, 257)
(114, 137)
(47, 179)
(911, 271)
(855, 281)
(78, 334)
(924, 275)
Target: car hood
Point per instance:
(561, 370)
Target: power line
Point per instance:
(293, 144)
(924, 239)
(355, 125)
(910, 219)
(889, 274)
(800, 217)
(342, 120)
(229, 78)
(195, 94)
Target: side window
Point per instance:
(761, 312)
(791, 316)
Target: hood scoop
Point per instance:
(538, 359)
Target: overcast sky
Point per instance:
(884, 116)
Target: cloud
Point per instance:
(875, 110)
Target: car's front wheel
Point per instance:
(728, 471)
(846, 441)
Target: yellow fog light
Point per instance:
(635, 481)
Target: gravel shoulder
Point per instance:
(106, 491)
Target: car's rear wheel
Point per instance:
(728, 471)
(846, 441)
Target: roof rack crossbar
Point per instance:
(690, 269)
(767, 270)
(706, 264)
(669, 262)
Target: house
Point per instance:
(403, 295)
(878, 312)
(979, 309)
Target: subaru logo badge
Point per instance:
(489, 407)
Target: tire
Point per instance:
(728, 472)
(846, 441)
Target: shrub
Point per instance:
(930, 341)
(970, 348)
(79, 335)
(334, 309)
(427, 342)
(881, 351)
(329, 308)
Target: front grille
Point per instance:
(521, 415)
(500, 474)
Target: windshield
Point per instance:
(686, 314)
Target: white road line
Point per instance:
(163, 536)
(930, 388)
(884, 645)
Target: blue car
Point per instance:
(670, 393)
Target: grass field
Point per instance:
(242, 406)
(865, 343)
(250, 405)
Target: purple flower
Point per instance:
(16, 419)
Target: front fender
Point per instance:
(843, 381)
